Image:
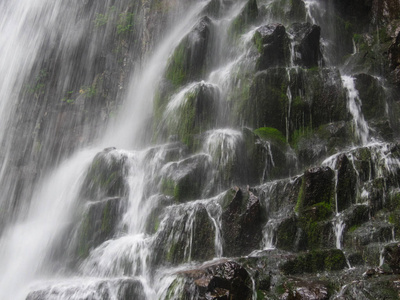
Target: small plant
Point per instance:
(38, 87)
(102, 19)
(125, 23)
(88, 91)
(68, 98)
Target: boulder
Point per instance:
(273, 45)
(105, 176)
(99, 223)
(307, 44)
(219, 280)
(242, 221)
(189, 60)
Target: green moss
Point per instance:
(176, 71)
(168, 187)
(248, 15)
(106, 219)
(125, 23)
(315, 261)
(335, 260)
(300, 198)
(271, 134)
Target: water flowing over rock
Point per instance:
(211, 149)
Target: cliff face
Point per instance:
(265, 136)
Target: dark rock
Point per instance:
(241, 223)
(99, 223)
(346, 183)
(124, 289)
(186, 179)
(391, 255)
(267, 90)
(307, 39)
(245, 18)
(318, 186)
(196, 113)
(105, 177)
(185, 234)
(372, 96)
(315, 261)
(305, 290)
(189, 59)
(220, 280)
(273, 45)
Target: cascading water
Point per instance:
(212, 106)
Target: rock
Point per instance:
(185, 179)
(189, 60)
(346, 183)
(220, 280)
(315, 261)
(105, 289)
(241, 223)
(105, 176)
(307, 45)
(186, 233)
(372, 96)
(188, 114)
(305, 290)
(273, 45)
(391, 255)
(318, 187)
(246, 17)
(99, 223)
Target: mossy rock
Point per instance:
(189, 60)
(307, 44)
(273, 45)
(289, 236)
(317, 188)
(105, 176)
(186, 233)
(123, 289)
(267, 105)
(245, 18)
(242, 220)
(190, 114)
(99, 223)
(346, 183)
(315, 261)
(186, 179)
(372, 96)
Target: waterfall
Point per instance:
(147, 148)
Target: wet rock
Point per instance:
(185, 179)
(273, 45)
(189, 114)
(382, 287)
(267, 90)
(189, 60)
(372, 96)
(346, 183)
(391, 255)
(124, 289)
(186, 233)
(307, 37)
(220, 280)
(241, 223)
(99, 223)
(318, 186)
(245, 18)
(315, 261)
(305, 290)
(105, 177)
